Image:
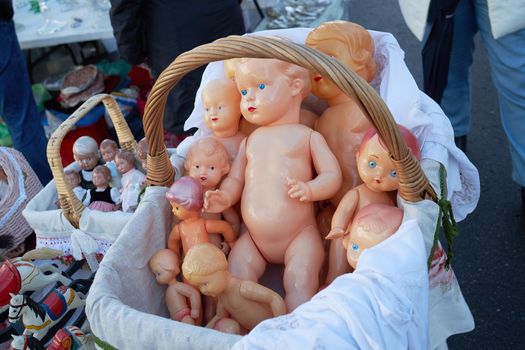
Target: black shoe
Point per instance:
(461, 142)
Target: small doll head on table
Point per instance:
(375, 167)
(221, 104)
(207, 161)
(371, 226)
(108, 150)
(185, 197)
(86, 153)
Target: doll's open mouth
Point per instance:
(317, 78)
(251, 109)
(204, 178)
(214, 119)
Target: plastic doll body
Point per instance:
(165, 266)
(133, 180)
(103, 197)
(276, 180)
(246, 302)
(86, 154)
(108, 151)
(343, 124)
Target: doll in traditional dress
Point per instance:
(74, 180)
(108, 151)
(133, 180)
(103, 197)
(242, 304)
(378, 173)
(86, 153)
(165, 266)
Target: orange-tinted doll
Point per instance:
(165, 266)
(242, 304)
(378, 173)
(274, 175)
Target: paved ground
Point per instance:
(490, 256)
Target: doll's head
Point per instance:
(142, 152)
(221, 104)
(270, 88)
(125, 161)
(185, 197)
(101, 176)
(348, 42)
(74, 178)
(375, 167)
(371, 225)
(108, 150)
(165, 266)
(85, 152)
(207, 161)
(205, 266)
(229, 68)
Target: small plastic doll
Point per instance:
(74, 180)
(165, 266)
(108, 151)
(103, 197)
(186, 198)
(377, 171)
(141, 152)
(242, 304)
(85, 152)
(133, 180)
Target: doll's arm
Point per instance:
(329, 178)
(174, 240)
(232, 217)
(222, 227)
(231, 187)
(254, 291)
(115, 195)
(343, 214)
(192, 294)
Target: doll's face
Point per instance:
(180, 212)
(86, 162)
(211, 285)
(163, 275)
(108, 153)
(376, 168)
(266, 92)
(209, 170)
(221, 109)
(123, 166)
(100, 179)
(74, 179)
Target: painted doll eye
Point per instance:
(212, 168)
(220, 107)
(244, 92)
(393, 173)
(372, 164)
(261, 86)
(196, 167)
(355, 247)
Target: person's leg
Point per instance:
(507, 64)
(456, 101)
(17, 106)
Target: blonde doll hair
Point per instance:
(85, 146)
(202, 260)
(108, 143)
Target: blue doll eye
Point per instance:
(372, 164)
(393, 173)
(262, 86)
(355, 247)
(244, 92)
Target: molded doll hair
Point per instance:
(102, 169)
(208, 146)
(230, 66)
(202, 260)
(353, 36)
(292, 71)
(159, 258)
(126, 155)
(74, 173)
(406, 134)
(85, 146)
(187, 192)
(108, 143)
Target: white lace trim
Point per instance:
(64, 244)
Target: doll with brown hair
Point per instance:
(378, 173)
(281, 169)
(242, 304)
(103, 197)
(208, 162)
(108, 151)
(141, 152)
(74, 180)
(133, 180)
(166, 267)
(86, 154)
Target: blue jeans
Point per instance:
(507, 64)
(17, 106)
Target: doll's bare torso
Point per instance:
(192, 232)
(275, 153)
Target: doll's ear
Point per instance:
(226, 169)
(297, 87)
(187, 165)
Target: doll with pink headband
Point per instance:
(378, 173)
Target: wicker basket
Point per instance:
(23, 184)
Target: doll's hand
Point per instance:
(225, 247)
(195, 313)
(299, 189)
(335, 233)
(215, 201)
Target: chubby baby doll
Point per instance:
(86, 154)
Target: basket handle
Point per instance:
(414, 185)
(71, 206)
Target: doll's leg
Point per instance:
(210, 308)
(337, 262)
(245, 260)
(303, 260)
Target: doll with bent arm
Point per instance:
(273, 174)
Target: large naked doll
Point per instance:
(273, 177)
